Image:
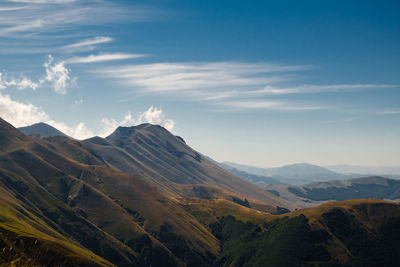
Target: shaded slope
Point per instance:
(41, 130)
(352, 233)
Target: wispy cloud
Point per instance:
(95, 40)
(43, 1)
(389, 112)
(233, 85)
(24, 27)
(270, 90)
(57, 16)
(3, 9)
(102, 58)
(270, 105)
(205, 77)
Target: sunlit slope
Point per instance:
(29, 238)
(170, 158)
(134, 214)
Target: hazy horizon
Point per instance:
(263, 84)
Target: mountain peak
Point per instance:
(41, 129)
(124, 131)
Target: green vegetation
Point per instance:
(280, 242)
(68, 203)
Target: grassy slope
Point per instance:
(136, 199)
(348, 233)
(67, 198)
(148, 222)
(172, 160)
(28, 240)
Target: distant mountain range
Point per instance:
(296, 174)
(393, 171)
(315, 193)
(142, 197)
(304, 173)
(258, 180)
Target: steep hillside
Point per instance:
(83, 201)
(153, 153)
(10, 138)
(26, 239)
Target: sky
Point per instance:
(263, 83)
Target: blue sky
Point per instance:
(265, 83)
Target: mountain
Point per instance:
(296, 174)
(315, 193)
(80, 208)
(116, 202)
(366, 170)
(41, 129)
(252, 178)
(168, 163)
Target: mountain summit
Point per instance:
(41, 129)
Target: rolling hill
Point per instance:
(315, 193)
(142, 197)
(349, 233)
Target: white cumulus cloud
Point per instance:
(57, 74)
(156, 116)
(23, 114)
(20, 84)
(20, 114)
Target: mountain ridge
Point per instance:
(298, 173)
(318, 192)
